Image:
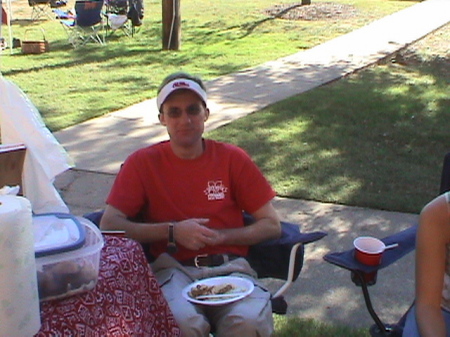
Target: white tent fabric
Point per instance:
(45, 158)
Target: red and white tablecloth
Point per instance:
(126, 301)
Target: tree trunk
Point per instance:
(171, 19)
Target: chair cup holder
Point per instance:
(369, 278)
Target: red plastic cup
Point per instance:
(369, 250)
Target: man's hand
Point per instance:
(194, 235)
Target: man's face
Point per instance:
(184, 115)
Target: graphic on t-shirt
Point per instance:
(216, 190)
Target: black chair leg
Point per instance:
(389, 331)
(279, 305)
(379, 329)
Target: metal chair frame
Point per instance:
(87, 25)
(40, 9)
(113, 7)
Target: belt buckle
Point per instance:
(196, 259)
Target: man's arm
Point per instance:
(114, 219)
(191, 233)
(266, 226)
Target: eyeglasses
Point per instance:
(192, 110)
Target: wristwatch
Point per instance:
(171, 244)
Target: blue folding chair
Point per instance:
(406, 240)
(40, 9)
(87, 25)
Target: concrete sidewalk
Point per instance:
(324, 291)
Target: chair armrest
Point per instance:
(406, 240)
(290, 234)
(272, 258)
(291, 271)
(94, 217)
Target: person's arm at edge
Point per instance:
(432, 236)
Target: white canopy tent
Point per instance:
(21, 123)
(6, 5)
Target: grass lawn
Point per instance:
(375, 138)
(296, 327)
(218, 37)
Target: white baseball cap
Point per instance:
(177, 84)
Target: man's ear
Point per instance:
(161, 118)
(206, 114)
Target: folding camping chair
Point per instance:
(281, 258)
(40, 9)
(406, 240)
(87, 25)
(124, 15)
(117, 18)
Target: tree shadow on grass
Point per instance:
(369, 140)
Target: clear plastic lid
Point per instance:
(56, 233)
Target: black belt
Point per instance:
(206, 260)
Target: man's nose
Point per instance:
(185, 116)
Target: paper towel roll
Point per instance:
(19, 297)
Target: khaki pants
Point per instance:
(249, 317)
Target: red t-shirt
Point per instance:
(218, 185)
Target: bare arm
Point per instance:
(432, 236)
(191, 233)
(266, 226)
(114, 219)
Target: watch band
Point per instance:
(171, 244)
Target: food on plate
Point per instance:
(218, 289)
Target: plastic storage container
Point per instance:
(56, 233)
(67, 273)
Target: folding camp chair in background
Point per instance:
(117, 18)
(43, 8)
(281, 259)
(87, 25)
(406, 240)
(40, 9)
(124, 15)
(135, 13)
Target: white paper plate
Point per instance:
(243, 287)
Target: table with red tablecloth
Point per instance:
(126, 301)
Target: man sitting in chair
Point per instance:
(190, 193)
